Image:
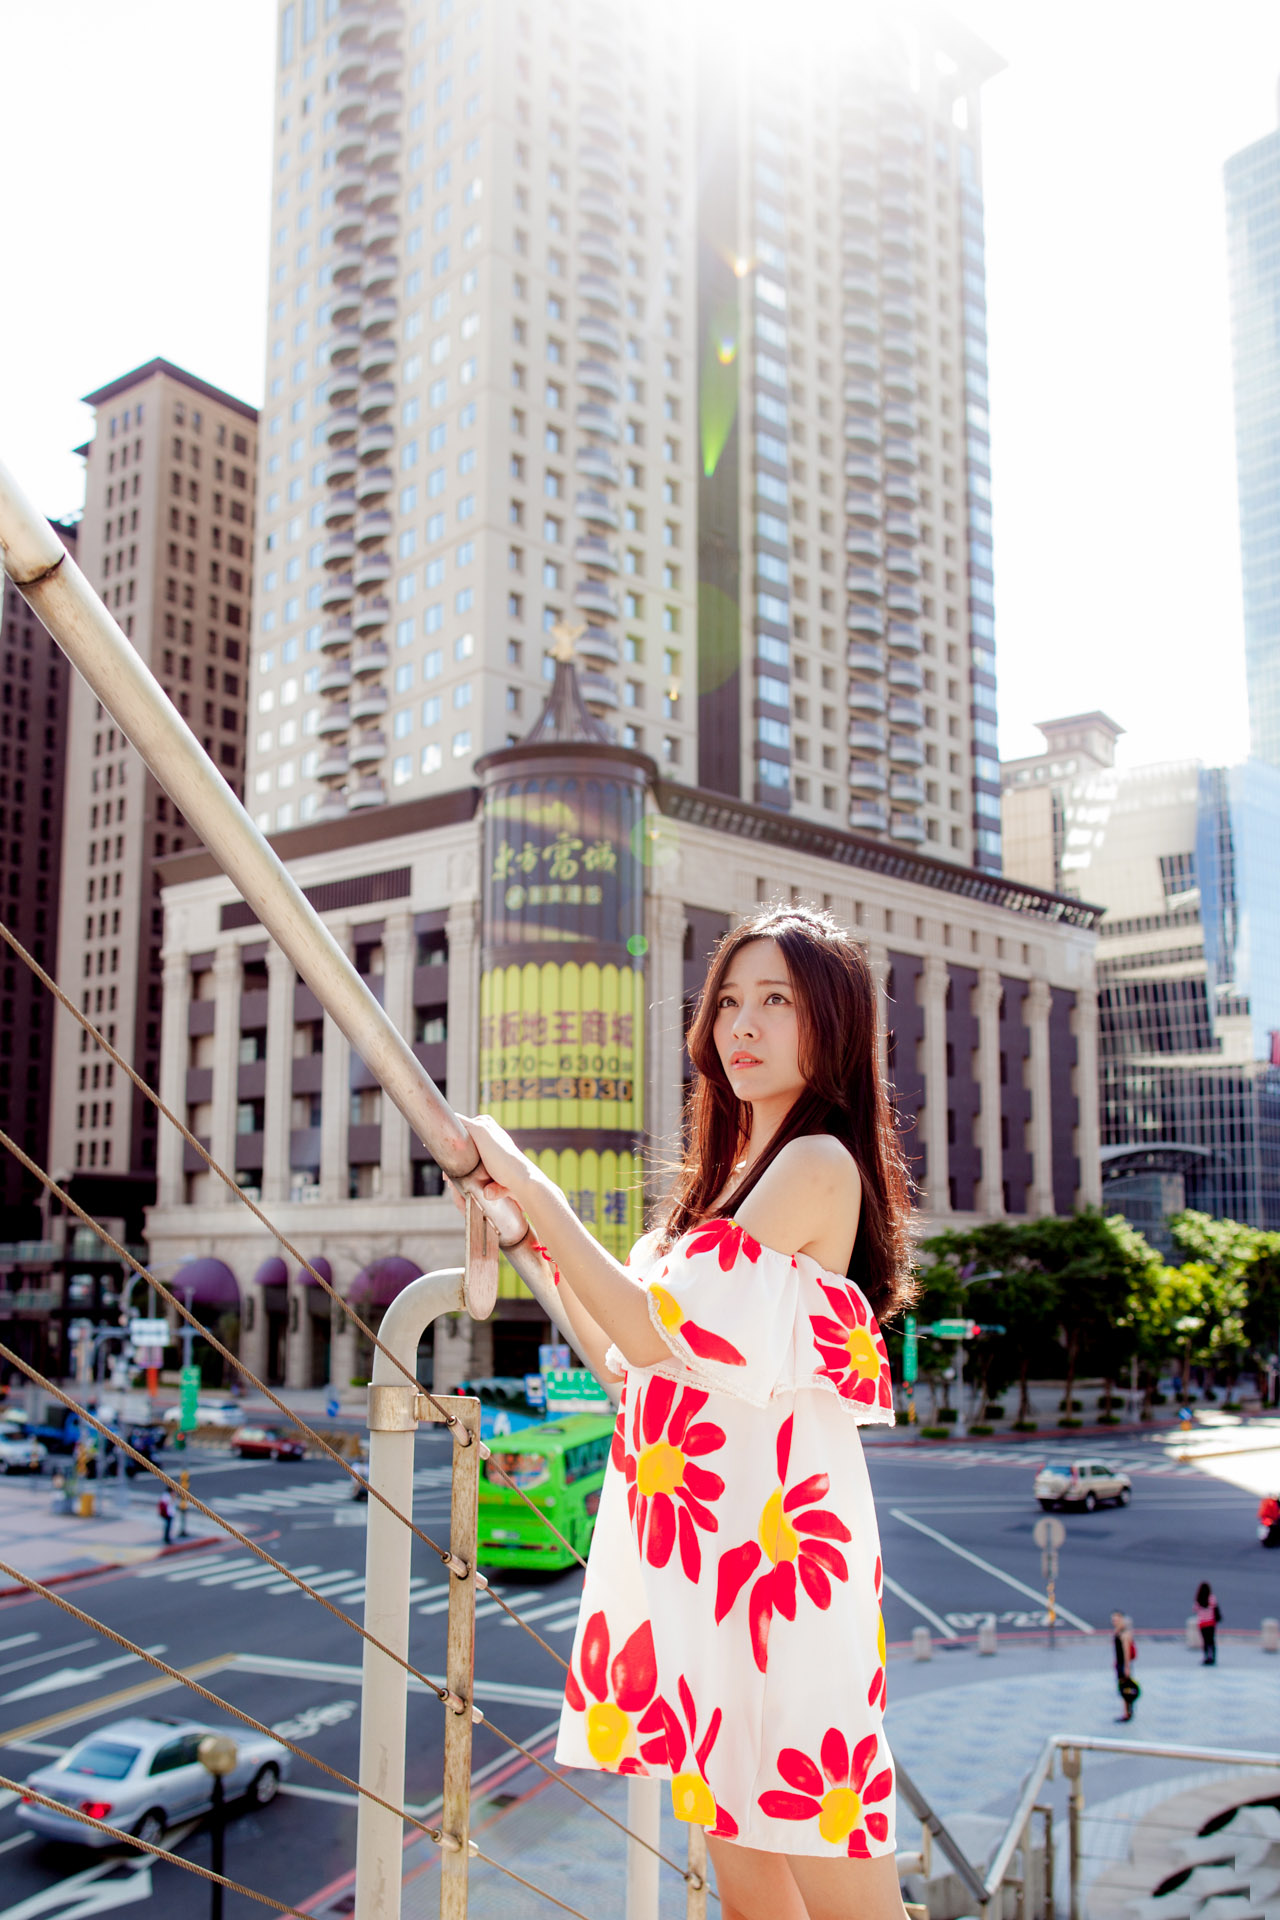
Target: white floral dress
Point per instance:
(730, 1638)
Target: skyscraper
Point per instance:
(167, 539)
(647, 324)
(1253, 251)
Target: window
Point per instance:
(461, 744)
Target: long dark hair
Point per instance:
(844, 1095)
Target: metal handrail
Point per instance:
(985, 1888)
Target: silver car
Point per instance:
(18, 1453)
(1081, 1483)
(145, 1775)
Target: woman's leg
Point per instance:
(1206, 1645)
(772, 1886)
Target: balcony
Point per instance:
(346, 263)
(334, 720)
(339, 507)
(373, 526)
(385, 107)
(901, 526)
(589, 551)
(864, 776)
(371, 614)
(593, 596)
(899, 418)
(335, 677)
(384, 146)
(901, 489)
(905, 711)
(374, 483)
(382, 230)
(600, 249)
(598, 464)
(900, 454)
(864, 545)
(336, 634)
(898, 345)
(898, 274)
(600, 334)
(593, 418)
(863, 467)
(906, 673)
(349, 101)
(376, 440)
(378, 272)
(384, 69)
(862, 432)
(865, 696)
(342, 386)
(865, 657)
(379, 311)
(906, 826)
(366, 748)
(859, 248)
(859, 176)
(860, 619)
(905, 750)
(866, 817)
(864, 581)
(369, 703)
(366, 793)
(902, 561)
(862, 506)
(903, 636)
(344, 305)
(595, 509)
(337, 592)
(376, 356)
(597, 689)
(859, 284)
(601, 165)
(866, 736)
(601, 208)
(898, 310)
(861, 357)
(340, 549)
(332, 766)
(372, 569)
(905, 788)
(594, 643)
(344, 340)
(594, 286)
(349, 146)
(348, 225)
(904, 600)
(342, 421)
(372, 659)
(597, 378)
(375, 398)
(864, 395)
(605, 126)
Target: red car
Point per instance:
(267, 1443)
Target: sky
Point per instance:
(145, 153)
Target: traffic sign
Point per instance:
(574, 1390)
(955, 1329)
(188, 1395)
(1049, 1532)
(910, 1350)
(149, 1333)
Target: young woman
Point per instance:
(730, 1637)
(1208, 1614)
(1126, 1652)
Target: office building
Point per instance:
(33, 747)
(167, 539)
(544, 956)
(1253, 254)
(1182, 857)
(587, 316)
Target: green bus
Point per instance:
(560, 1465)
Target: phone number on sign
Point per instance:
(550, 1086)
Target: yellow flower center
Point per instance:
(670, 1312)
(863, 1358)
(608, 1733)
(660, 1469)
(777, 1535)
(693, 1800)
(839, 1815)
(880, 1640)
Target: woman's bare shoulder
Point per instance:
(807, 1200)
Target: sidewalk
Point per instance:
(54, 1546)
(967, 1728)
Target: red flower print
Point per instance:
(691, 1797)
(626, 1723)
(796, 1537)
(838, 1795)
(667, 1490)
(877, 1692)
(726, 1239)
(852, 1347)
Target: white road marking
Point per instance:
(34, 1659)
(71, 1677)
(927, 1612)
(552, 1606)
(19, 1839)
(82, 1896)
(319, 1793)
(997, 1573)
(18, 1640)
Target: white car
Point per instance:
(20, 1455)
(1081, 1483)
(209, 1413)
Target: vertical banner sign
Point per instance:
(910, 1350)
(562, 984)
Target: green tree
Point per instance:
(1013, 1291)
(1097, 1262)
(1237, 1255)
(1194, 1312)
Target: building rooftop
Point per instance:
(149, 369)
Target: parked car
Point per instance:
(560, 1465)
(145, 1775)
(59, 1435)
(209, 1413)
(1081, 1483)
(19, 1453)
(267, 1443)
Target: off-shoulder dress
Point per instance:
(730, 1637)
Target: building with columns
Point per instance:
(987, 996)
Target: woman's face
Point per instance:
(757, 1029)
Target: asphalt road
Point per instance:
(956, 1527)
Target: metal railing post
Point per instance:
(695, 1905)
(1047, 1812)
(385, 1695)
(1072, 1769)
(644, 1818)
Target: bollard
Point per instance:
(1271, 1635)
(987, 1637)
(921, 1644)
(1192, 1634)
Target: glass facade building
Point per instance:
(1253, 243)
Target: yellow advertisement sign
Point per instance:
(605, 1190)
(562, 1045)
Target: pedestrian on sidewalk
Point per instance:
(1126, 1648)
(1208, 1614)
(730, 1637)
(164, 1507)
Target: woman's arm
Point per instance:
(616, 1307)
(590, 1339)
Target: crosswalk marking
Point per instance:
(1026, 1459)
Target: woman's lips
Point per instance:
(744, 1060)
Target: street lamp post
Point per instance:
(217, 1754)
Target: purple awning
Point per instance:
(207, 1283)
(321, 1266)
(378, 1284)
(272, 1273)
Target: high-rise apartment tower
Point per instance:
(167, 539)
(649, 323)
(1253, 252)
